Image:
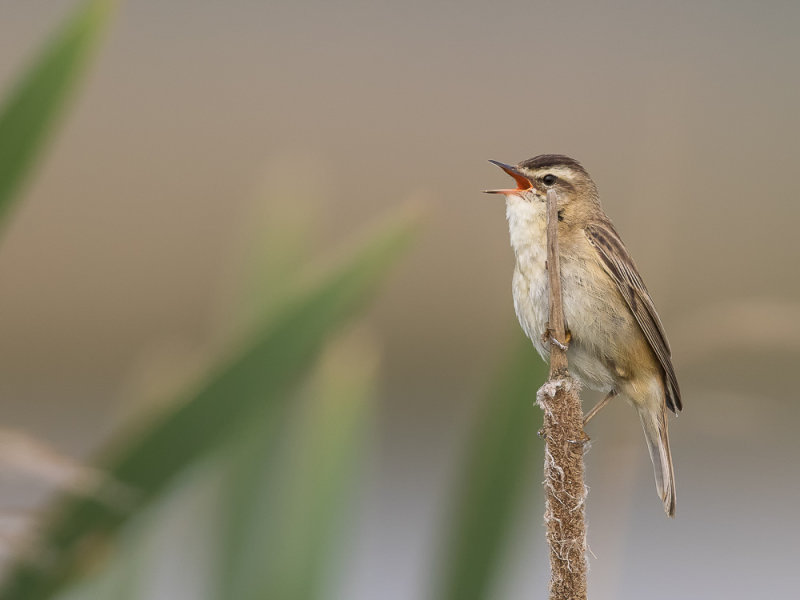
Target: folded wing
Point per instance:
(620, 266)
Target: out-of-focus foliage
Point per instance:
(319, 477)
(503, 452)
(281, 524)
(254, 382)
(29, 112)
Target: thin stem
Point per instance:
(565, 491)
(558, 356)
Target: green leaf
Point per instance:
(251, 483)
(29, 112)
(502, 455)
(122, 578)
(287, 523)
(248, 387)
(319, 491)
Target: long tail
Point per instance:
(654, 423)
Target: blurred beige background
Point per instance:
(197, 114)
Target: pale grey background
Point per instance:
(686, 115)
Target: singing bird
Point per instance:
(616, 342)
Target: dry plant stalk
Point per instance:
(565, 491)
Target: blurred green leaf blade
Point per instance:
(295, 554)
(40, 96)
(330, 447)
(251, 385)
(252, 464)
(503, 452)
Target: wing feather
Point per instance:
(621, 268)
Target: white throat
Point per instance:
(527, 223)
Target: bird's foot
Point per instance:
(548, 337)
(585, 439)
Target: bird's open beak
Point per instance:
(523, 183)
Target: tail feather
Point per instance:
(654, 423)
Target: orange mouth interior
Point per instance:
(522, 184)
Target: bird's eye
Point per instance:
(549, 179)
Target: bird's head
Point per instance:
(576, 190)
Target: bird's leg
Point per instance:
(599, 406)
(549, 338)
(585, 439)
